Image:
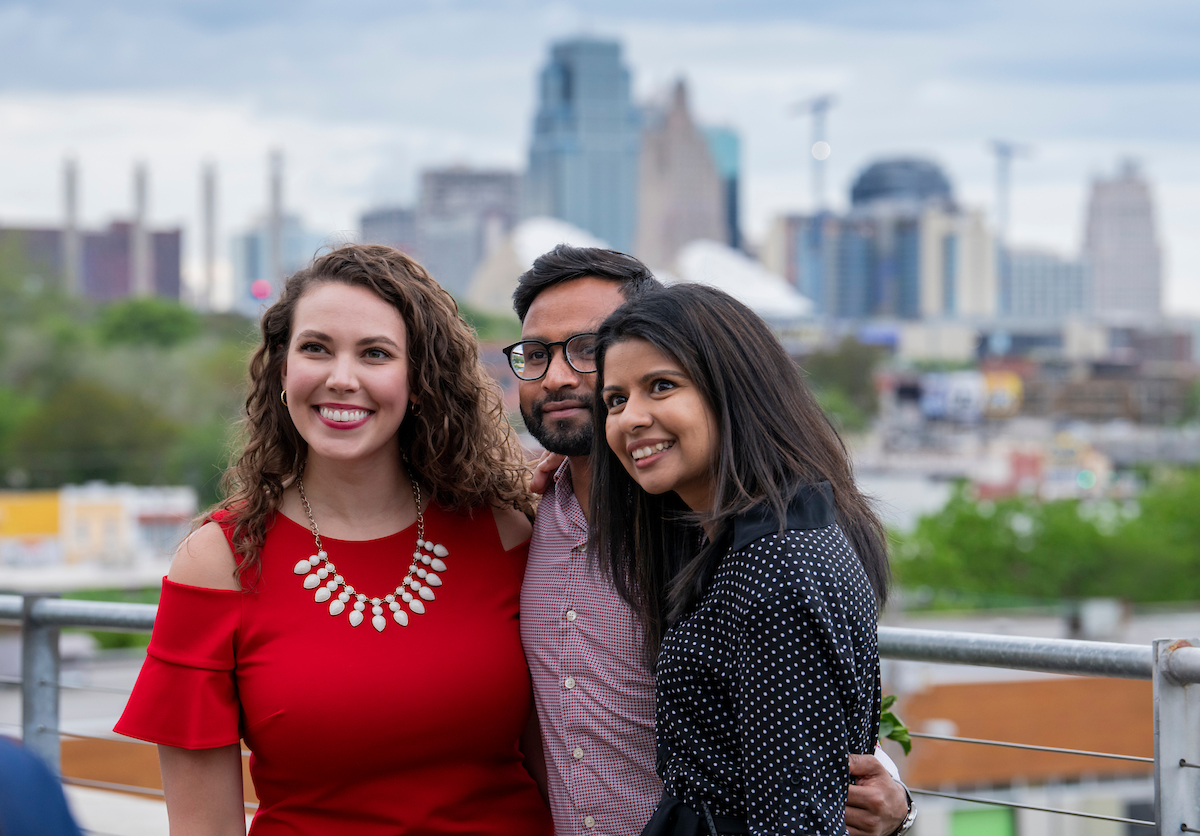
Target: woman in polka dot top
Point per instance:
(725, 511)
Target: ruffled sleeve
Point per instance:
(186, 695)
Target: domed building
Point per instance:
(905, 251)
(905, 181)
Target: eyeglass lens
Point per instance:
(531, 359)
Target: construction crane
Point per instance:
(1005, 151)
(818, 106)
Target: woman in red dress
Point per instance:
(350, 610)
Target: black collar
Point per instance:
(812, 507)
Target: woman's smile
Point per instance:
(642, 453)
(343, 417)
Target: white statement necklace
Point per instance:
(413, 591)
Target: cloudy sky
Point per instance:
(361, 94)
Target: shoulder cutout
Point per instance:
(513, 526)
(204, 559)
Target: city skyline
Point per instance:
(936, 81)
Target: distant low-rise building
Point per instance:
(114, 526)
(106, 260)
(1044, 285)
(1100, 392)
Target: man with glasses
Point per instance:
(594, 695)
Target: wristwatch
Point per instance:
(907, 824)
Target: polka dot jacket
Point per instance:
(768, 684)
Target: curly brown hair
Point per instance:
(459, 444)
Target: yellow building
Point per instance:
(29, 527)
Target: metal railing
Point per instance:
(1172, 665)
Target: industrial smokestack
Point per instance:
(209, 187)
(72, 247)
(275, 221)
(142, 283)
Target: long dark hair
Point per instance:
(773, 438)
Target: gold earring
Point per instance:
(415, 409)
(283, 396)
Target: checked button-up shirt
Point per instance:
(594, 695)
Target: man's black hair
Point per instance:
(564, 263)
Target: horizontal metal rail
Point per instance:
(1031, 747)
(96, 615)
(998, 803)
(1065, 656)
(10, 607)
(99, 689)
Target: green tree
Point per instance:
(841, 410)
(1144, 550)
(149, 320)
(85, 432)
(491, 327)
(848, 368)
(200, 457)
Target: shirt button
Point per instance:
(569, 682)
(570, 615)
(580, 547)
(578, 753)
(589, 822)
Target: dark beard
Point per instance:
(557, 438)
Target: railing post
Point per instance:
(40, 667)
(1176, 743)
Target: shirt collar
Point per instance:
(811, 507)
(562, 493)
(562, 478)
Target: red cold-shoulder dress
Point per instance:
(412, 730)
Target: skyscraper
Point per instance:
(726, 148)
(583, 160)
(680, 195)
(462, 213)
(1121, 244)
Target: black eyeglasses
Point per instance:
(530, 359)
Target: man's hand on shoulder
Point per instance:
(543, 472)
(876, 805)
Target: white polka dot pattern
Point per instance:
(770, 682)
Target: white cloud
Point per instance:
(363, 95)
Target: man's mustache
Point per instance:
(582, 403)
